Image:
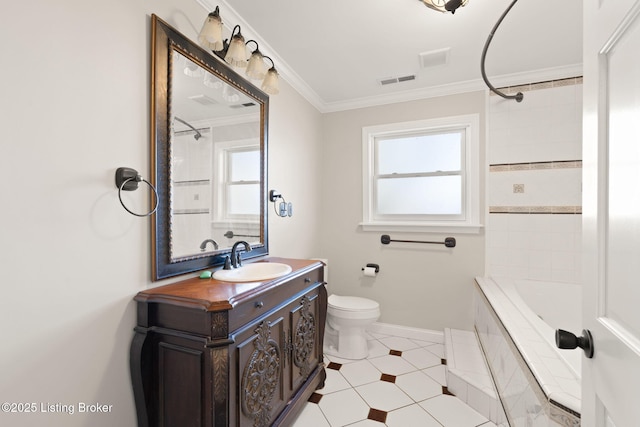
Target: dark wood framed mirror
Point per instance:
(208, 157)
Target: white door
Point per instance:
(611, 212)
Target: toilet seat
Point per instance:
(352, 304)
(354, 308)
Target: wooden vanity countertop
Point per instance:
(216, 295)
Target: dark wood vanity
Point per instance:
(212, 353)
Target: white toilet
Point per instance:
(347, 319)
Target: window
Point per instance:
(422, 176)
(243, 182)
(236, 189)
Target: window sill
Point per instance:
(424, 227)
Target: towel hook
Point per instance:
(127, 179)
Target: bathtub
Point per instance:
(516, 322)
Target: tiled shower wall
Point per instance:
(535, 181)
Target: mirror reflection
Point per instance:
(215, 186)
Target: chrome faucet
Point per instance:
(203, 245)
(236, 261)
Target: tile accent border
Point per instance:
(554, 210)
(557, 164)
(518, 167)
(540, 85)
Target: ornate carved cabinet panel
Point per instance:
(191, 365)
(303, 339)
(261, 395)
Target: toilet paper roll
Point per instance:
(369, 271)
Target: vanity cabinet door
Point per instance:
(273, 358)
(304, 340)
(259, 356)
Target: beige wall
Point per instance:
(74, 106)
(418, 285)
(295, 147)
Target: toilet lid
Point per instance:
(352, 303)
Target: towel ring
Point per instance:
(127, 179)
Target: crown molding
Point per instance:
(299, 85)
(506, 80)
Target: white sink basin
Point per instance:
(255, 272)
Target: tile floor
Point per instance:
(401, 384)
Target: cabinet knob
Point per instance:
(259, 304)
(307, 280)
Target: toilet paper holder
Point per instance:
(374, 266)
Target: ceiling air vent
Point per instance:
(245, 105)
(406, 78)
(203, 99)
(392, 80)
(434, 58)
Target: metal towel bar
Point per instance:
(449, 242)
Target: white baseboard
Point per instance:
(407, 332)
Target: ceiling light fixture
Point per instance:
(236, 54)
(445, 5)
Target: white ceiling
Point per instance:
(335, 52)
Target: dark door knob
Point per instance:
(567, 340)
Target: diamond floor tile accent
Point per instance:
(377, 415)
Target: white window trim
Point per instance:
(471, 224)
(219, 188)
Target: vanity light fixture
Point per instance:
(445, 5)
(210, 36)
(256, 68)
(271, 82)
(235, 52)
